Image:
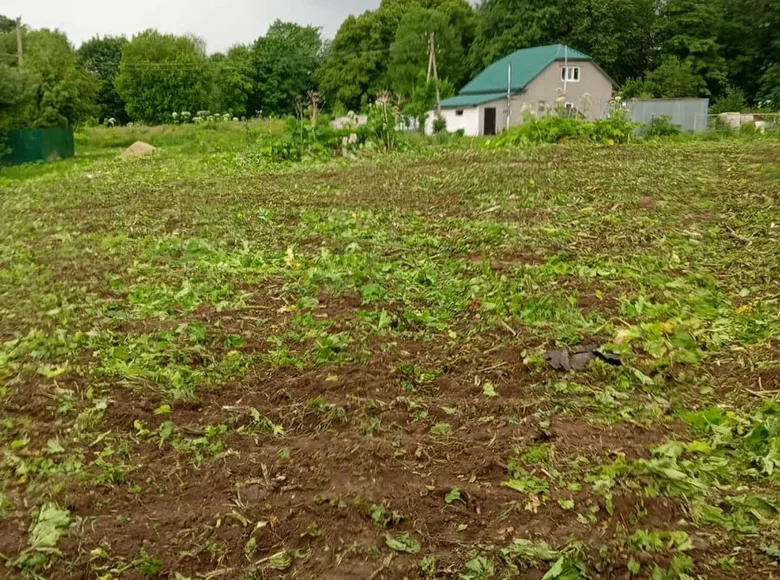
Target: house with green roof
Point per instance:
(536, 80)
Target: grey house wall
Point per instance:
(591, 95)
(689, 114)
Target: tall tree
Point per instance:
(619, 35)
(745, 36)
(356, 67)
(232, 84)
(410, 51)
(688, 30)
(6, 24)
(64, 94)
(770, 80)
(284, 63)
(673, 79)
(508, 25)
(160, 74)
(17, 89)
(101, 58)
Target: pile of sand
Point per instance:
(138, 149)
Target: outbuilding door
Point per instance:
(490, 121)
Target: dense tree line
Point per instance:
(728, 50)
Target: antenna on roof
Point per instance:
(565, 67)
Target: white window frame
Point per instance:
(571, 74)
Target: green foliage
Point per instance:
(409, 51)
(233, 81)
(356, 66)
(7, 24)
(50, 525)
(662, 127)
(17, 89)
(562, 128)
(687, 31)
(439, 125)
(403, 543)
(162, 73)
(382, 123)
(507, 25)
(565, 569)
(283, 63)
(423, 100)
(52, 90)
(616, 129)
(733, 101)
(674, 78)
(101, 57)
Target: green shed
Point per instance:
(41, 144)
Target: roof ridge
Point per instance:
(526, 64)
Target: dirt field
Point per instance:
(339, 371)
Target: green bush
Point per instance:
(439, 125)
(563, 128)
(662, 127)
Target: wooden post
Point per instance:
(430, 57)
(436, 75)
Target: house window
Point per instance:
(570, 74)
(459, 113)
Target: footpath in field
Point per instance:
(340, 371)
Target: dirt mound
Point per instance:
(138, 149)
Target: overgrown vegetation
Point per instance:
(212, 368)
(562, 128)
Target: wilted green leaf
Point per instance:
(281, 560)
(528, 484)
(403, 543)
(52, 524)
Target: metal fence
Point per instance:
(689, 114)
(43, 144)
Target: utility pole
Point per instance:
(430, 57)
(19, 40)
(432, 65)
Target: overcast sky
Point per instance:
(221, 23)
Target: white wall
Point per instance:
(469, 121)
(472, 121)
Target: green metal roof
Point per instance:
(471, 100)
(527, 64)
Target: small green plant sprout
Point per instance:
(453, 495)
(382, 517)
(489, 389)
(441, 430)
(147, 566)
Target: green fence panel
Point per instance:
(44, 144)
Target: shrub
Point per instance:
(562, 128)
(381, 124)
(732, 102)
(663, 127)
(439, 125)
